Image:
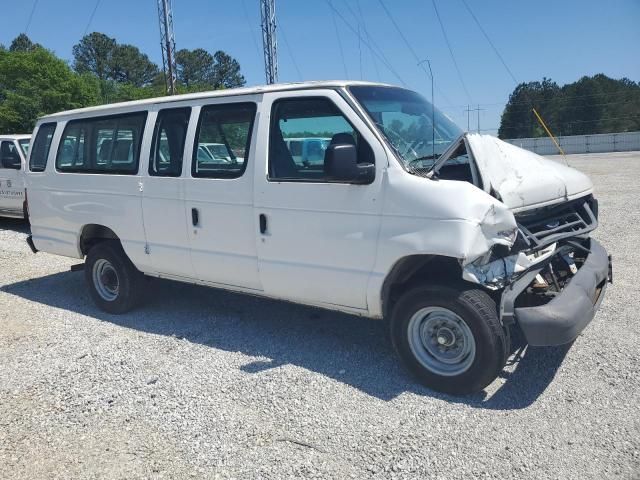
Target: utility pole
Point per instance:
(168, 45)
(478, 109)
(468, 110)
(269, 40)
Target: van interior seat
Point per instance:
(281, 164)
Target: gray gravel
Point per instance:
(201, 383)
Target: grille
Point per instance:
(548, 225)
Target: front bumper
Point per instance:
(562, 319)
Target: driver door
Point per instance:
(317, 238)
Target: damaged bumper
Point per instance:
(562, 319)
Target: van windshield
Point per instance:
(405, 119)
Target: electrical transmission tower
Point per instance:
(168, 45)
(269, 41)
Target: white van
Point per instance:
(13, 151)
(455, 241)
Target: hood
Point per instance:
(522, 178)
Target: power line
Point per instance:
(335, 25)
(289, 51)
(366, 33)
(446, 39)
(490, 42)
(368, 44)
(95, 8)
(359, 36)
(33, 10)
(420, 63)
(253, 34)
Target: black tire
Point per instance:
(128, 278)
(478, 311)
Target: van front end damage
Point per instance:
(553, 277)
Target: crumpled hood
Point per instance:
(522, 178)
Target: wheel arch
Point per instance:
(412, 270)
(93, 233)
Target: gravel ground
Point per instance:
(201, 383)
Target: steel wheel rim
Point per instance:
(441, 341)
(106, 280)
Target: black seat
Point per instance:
(281, 163)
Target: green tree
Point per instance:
(199, 70)
(195, 67)
(129, 65)
(22, 43)
(226, 72)
(36, 83)
(94, 54)
(597, 104)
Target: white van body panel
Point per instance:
(524, 179)
(12, 181)
(326, 244)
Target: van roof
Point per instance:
(16, 136)
(278, 87)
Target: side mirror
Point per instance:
(341, 164)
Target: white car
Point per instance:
(455, 242)
(13, 151)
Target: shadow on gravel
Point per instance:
(15, 224)
(349, 349)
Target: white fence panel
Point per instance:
(606, 142)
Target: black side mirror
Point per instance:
(341, 164)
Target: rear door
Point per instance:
(219, 193)
(163, 206)
(11, 180)
(318, 240)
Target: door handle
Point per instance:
(263, 223)
(194, 217)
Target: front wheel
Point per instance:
(114, 282)
(451, 339)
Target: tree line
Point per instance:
(597, 104)
(35, 82)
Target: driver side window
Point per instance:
(301, 131)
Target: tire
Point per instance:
(114, 282)
(450, 339)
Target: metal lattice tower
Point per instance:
(168, 45)
(269, 41)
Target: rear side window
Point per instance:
(41, 147)
(222, 141)
(102, 145)
(168, 142)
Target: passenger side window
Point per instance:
(9, 156)
(301, 131)
(41, 147)
(168, 142)
(221, 149)
(102, 145)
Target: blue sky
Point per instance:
(559, 39)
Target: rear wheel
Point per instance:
(114, 282)
(451, 339)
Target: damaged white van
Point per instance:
(13, 151)
(454, 241)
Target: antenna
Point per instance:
(168, 45)
(269, 40)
